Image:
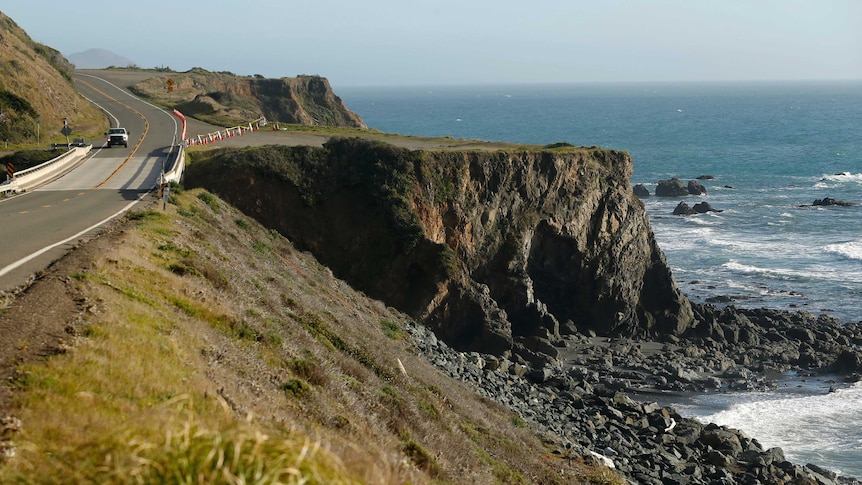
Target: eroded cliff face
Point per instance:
(493, 250)
(224, 98)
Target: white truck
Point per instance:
(117, 136)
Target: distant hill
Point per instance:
(37, 93)
(98, 59)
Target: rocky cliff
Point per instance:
(493, 250)
(227, 99)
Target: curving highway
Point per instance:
(39, 226)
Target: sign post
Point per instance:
(66, 130)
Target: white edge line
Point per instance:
(44, 250)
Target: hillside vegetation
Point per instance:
(206, 349)
(37, 93)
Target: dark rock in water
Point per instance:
(704, 207)
(728, 187)
(671, 188)
(682, 209)
(641, 191)
(696, 188)
(705, 177)
(829, 201)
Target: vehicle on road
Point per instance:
(117, 136)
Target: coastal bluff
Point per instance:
(496, 251)
(224, 98)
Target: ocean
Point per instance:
(770, 148)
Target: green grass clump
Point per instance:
(308, 370)
(421, 458)
(210, 200)
(171, 247)
(392, 330)
(295, 388)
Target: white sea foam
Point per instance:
(843, 177)
(819, 272)
(809, 428)
(703, 221)
(850, 250)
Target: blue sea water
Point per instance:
(772, 148)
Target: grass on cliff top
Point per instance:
(211, 351)
(428, 142)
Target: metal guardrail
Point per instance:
(33, 176)
(175, 174)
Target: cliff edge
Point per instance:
(226, 99)
(495, 251)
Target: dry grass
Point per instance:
(217, 353)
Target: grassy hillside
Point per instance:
(206, 349)
(36, 93)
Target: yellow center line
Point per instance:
(140, 141)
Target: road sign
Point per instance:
(66, 131)
(170, 83)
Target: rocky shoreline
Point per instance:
(586, 395)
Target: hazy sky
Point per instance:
(391, 42)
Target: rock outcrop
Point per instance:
(829, 201)
(671, 188)
(675, 187)
(484, 247)
(696, 188)
(683, 209)
(224, 98)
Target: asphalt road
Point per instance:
(39, 226)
